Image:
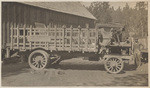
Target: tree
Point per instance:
(116, 15)
(142, 17)
(135, 19)
(101, 10)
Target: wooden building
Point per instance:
(48, 13)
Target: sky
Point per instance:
(114, 4)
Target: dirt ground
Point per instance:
(72, 72)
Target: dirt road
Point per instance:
(72, 72)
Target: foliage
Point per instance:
(101, 11)
(135, 19)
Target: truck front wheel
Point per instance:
(114, 65)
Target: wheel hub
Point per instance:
(113, 63)
(38, 61)
(39, 58)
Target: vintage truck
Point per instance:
(47, 45)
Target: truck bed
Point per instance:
(54, 39)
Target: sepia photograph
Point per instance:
(74, 44)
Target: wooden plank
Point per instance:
(18, 36)
(79, 32)
(55, 36)
(14, 11)
(96, 37)
(24, 37)
(29, 17)
(71, 29)
(47, 18)
(32, 16)
(7, 23)
(63, 35)
(49, 26)
(11, 45)
(3, 35)
(87, 40)
(4, 12)
(3, 24)
(25, 15)
(7, 26)
(19, 15)
(11, 14)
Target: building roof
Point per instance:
(74, 8)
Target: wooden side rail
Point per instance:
(61, 39)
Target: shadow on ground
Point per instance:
(14, 68)
(131, 80)
(78, 67)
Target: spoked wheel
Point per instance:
(38, 59)
(114, 65)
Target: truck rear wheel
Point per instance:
(38, 59)
(114, 65)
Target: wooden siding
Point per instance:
(14, 14)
